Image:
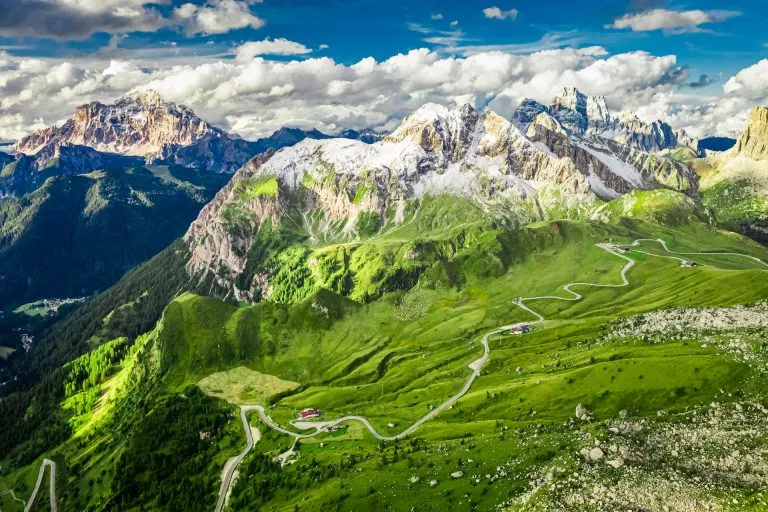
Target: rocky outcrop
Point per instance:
(580, 113)
(650, 137)
(138, 124)
(753, 142)
(588, 116)
(612, 168)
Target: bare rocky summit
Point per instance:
(589, 117)
(139, 124)
(753, 142)
(143, 124)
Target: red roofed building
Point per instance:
(309, 413)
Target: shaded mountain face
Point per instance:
(339, 189)
(78, 234)
(588, 116)
(24, 174)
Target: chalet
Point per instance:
(520, 329)
(622, 248)
(687, 263)
(309, 414)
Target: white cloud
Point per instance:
(498, 14)
(279, 46)
(77, 20)
(674, 22)
(436, 16)
(714, 115)
(749, 83)
(257, 96)
(455, 23)
(216, 17)
(323, 47)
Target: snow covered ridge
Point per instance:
(434, 150)
(460, 151)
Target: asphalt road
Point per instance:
(39, 483)
(229, 471)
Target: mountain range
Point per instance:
(558, 310)
(138, 129)
(562, 160)
(588, 116)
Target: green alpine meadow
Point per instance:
(464, 277)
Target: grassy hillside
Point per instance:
(140, 433)
(736, 192)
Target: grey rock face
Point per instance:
(588, 116)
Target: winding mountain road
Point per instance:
(477, 365)
(39, 483)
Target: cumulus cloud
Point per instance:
(216, 17)
(672, 22)
(496, 13)
(63, 19)
(279, 46)
(257, 96)
(750, 83)
(80, 19)
(436, 16)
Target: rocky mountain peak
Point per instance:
(589, 117)
(139, 124)
(580, 113)
(147, 98)
(439, 130)
(570, 98)
(753, 142)
(527, 112)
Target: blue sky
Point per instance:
(355, 29)
(701, 46)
